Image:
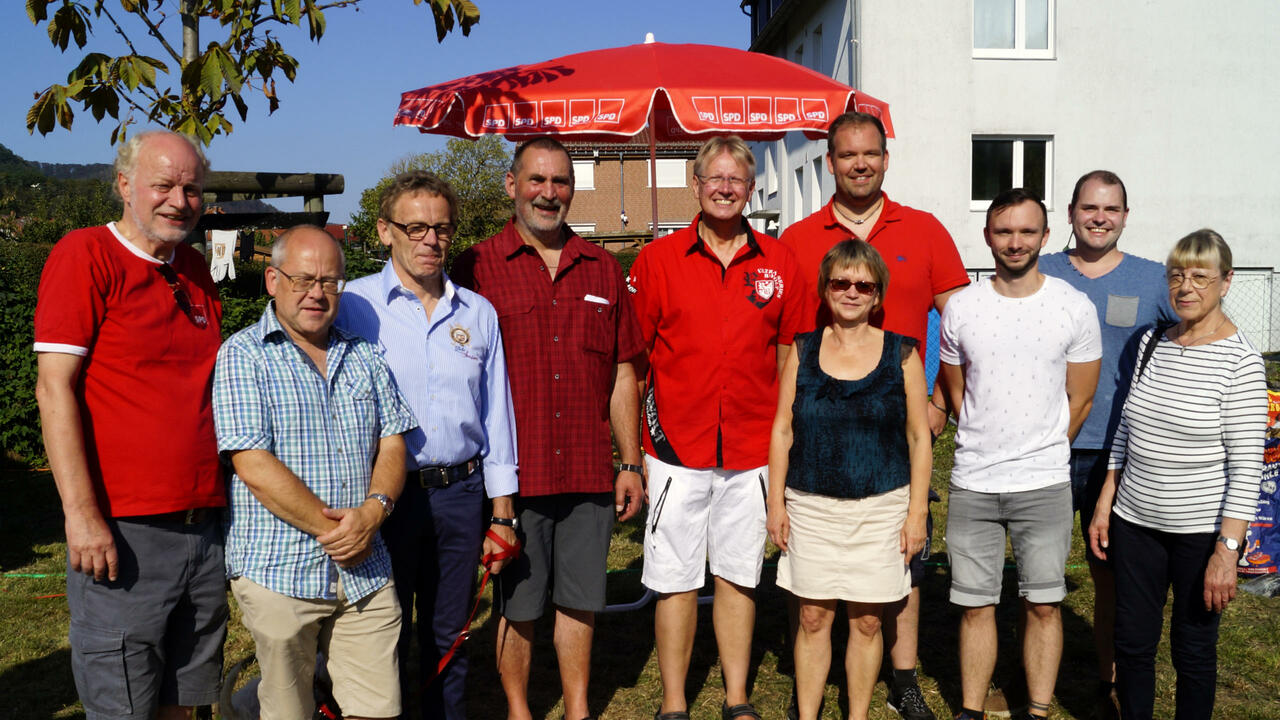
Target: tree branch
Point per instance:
(120, 31)
(154, 31)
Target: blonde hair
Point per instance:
(1202, 248)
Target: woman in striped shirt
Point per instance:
(1182, 486)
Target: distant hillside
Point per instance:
(13, 166)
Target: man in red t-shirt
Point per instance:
(127, 328)
(924, 270)
(570, 339)
(718, 307)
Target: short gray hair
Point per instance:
(127, 154)
(280, 248)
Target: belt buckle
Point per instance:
(444, 476)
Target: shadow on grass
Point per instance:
(32, 517)
(39, 688)
(940, 644)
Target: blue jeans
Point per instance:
(1088, 473)
(1147, 563)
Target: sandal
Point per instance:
(745, 710)
(673, 715)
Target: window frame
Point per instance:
(1019, 51)
(578, 167)
(665, 181)
(1018, 159)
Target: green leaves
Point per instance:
(245, 54)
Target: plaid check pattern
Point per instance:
(267, 395)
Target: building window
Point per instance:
(671, 174)
(584, 175)
(668, 227)
(770, 173)
(1013, 29)
(1003, 162)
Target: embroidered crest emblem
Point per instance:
(460, 336)
(763, 285)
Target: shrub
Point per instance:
(20, 265)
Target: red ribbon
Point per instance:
(508, 551)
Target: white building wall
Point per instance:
(1176, 96)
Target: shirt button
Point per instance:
(599, 310)
(557, 376)
(555, 338)
(557, 413)
(554, 301)
(557, 451)
(541, 269)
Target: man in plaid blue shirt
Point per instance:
(311, 421)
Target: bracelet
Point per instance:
(939, 407)
(627, 467)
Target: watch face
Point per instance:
(1231, 543)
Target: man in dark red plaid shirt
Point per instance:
(570, 337)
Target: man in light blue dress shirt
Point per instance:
(444, 348)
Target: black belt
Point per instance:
(438, 476)
(194, 516)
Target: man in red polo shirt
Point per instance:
(127, 328)
(570, 337)
(718, 306)
(924, 270)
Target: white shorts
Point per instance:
(700, 514)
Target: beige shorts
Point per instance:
(846, 549)
(358, 640)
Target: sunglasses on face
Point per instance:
(842, 285)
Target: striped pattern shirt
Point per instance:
(1190, 437)
(267, 395)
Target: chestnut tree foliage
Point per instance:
(167, 76)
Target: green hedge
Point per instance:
(20, 264)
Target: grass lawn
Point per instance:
(36, 676)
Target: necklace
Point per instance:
(865, 217)
(1182, 346)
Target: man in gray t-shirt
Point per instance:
(1130, 294)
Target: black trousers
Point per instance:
(1147, 563)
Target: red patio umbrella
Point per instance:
(684, 92)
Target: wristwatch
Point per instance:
(513, 523)
(1231, 544)
(627, 467)
(387, 503)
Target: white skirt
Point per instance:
(846, 549)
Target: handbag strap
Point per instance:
(1150, 348)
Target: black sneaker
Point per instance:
(910, 704)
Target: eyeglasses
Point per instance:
(418, 231)
(736, 183)
(862, 286)
(1199, 281)
(194, 313)
(329, 286)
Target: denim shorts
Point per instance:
(1088, 473)
(1039, 527)
(153, 636)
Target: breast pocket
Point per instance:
(356, 410)
(596, 326)
(1122, 310)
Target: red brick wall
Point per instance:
(602, 207)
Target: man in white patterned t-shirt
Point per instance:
(1020, 352)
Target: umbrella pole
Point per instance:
(653, 167)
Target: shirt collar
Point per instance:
(391, 285)
(134, 248)
(699, 245)
(510, 244)
(889, 213)
(269, 327)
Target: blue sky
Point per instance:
(337, 116)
